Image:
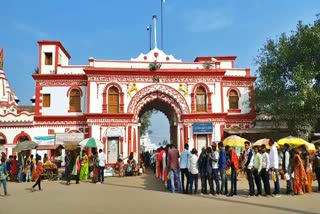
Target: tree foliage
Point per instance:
(146, 123)
(288, 77)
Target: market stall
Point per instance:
(53, 152)
(50, 171)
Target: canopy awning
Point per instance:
(253, 131)
(49, 147)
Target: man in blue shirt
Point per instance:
(184, 159)
(222, 168)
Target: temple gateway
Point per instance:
(105, 99)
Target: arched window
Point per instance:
(113, 100)
(201, 100)
(233, 99)
(75, 101)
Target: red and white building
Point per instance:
(105, 99)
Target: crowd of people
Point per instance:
(26, 168)
(80, 167)
(218, 165)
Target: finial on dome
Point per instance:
(1, 59)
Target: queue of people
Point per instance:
(80, 167)
(218, 165)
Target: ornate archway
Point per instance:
(162, 98)
(158, 92)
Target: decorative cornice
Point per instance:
(70, 77)
(164, 79)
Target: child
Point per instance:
(28, 171)
(3, 175)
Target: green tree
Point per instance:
(288, 77)
(145, 122)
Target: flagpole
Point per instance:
(149, 28)
(161, 24)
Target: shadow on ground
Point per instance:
(151, 183)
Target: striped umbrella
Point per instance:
(91, 143)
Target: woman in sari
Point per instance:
(300, 176)
(85, 167)
(14, 168)
(38, 173)
(306, 160)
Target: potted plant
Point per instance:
(154, 66)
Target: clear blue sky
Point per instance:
(116, 29)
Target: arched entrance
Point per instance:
(165, 99)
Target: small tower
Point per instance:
(52, 55)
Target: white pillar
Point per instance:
(155, 30)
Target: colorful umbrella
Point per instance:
(91, 143)
(234, 141)
(25, 145)
(311, 147)
(264, 141)
(292, 141)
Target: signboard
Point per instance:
(202, 128)
(44, 140)
(114, 132)
(61, 138)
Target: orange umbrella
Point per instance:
(264, 141)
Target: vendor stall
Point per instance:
(53, 152)
(50, 171)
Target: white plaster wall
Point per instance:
(226, 64)
(244, 104)
(240, 73)
(64, 59)
(216, 98)
(59, 103)
(216, 136)
(128, 64)
(96, 99)
(70, 70)
(48, 69)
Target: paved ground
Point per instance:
(143, 194)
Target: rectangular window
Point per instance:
(48, 58)
(113, 101)
(46, 100)
(233, 102)
(201, 103)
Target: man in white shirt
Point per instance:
(102, 165)
(215, 167)
(274, 166)
(249, 166)
(264, 171)
(286, 167)
(257, 166)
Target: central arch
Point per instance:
(162, 98)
